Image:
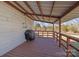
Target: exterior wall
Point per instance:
(11, 28)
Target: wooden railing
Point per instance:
(40, 33)
(65, 41)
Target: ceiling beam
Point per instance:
(53, 3)
(23, 9)
(30, 8)
(14, 6)
(55, 21)
(17, 9)
(19, 5)
(28, 14)
(70, 9)
(44, 21)
(40, 9)
(38, 14)
(43, 15)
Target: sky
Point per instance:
(42, 23)
(73, 21)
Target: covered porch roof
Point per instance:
(47, 11)
(50, 12)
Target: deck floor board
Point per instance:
(40, 47)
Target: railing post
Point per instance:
(57, 36)
(68, 48)
(53, 32)
(38, 33)
(59, 32)
(47, 33)
(43, 33)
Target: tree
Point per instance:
(71, 27)
(49, 28)
(74, 29)
(65, 28)
(37, 26)
(44, 27)
(56, 28)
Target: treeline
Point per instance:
(65, 28)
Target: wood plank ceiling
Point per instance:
(44, 11)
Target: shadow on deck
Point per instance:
(41, 47)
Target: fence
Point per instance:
(65, 41)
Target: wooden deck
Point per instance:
(40, 47)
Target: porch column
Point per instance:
(59, 32)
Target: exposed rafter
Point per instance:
(14, 6)
(23, 9)
(17, 8)
(19, 5)
(53, 3)
(28, 12)
(40, 9)
(70, 9)
(56, 20)
(44, 15)
(30, 8)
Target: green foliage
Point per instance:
(49, 28)
(56, 28)
(44, 27)
(65, 28)
(38, 25)
(74, 29)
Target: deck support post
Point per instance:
(59, 32)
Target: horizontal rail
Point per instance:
(72, 54)
(67, 40)
(64, 40)
(63, 45)
(70, 37)
(44, 33)
(74, 47)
